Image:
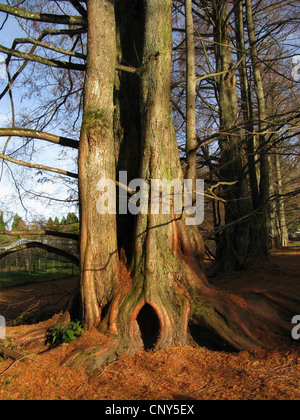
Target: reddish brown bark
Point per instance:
(98, 240)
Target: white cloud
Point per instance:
(5, 189)
(2, 67)
(296, 59)
(3, 118)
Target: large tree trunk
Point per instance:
(153, 310)
(98, 242)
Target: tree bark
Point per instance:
(191, 138)
(98, 242)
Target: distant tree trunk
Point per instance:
(264, 184)
(255, 246)
(234, 240)
(246, 100)
(274, 230)
(280, 203)
(191, 138)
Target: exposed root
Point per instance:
(168, 301)
(37, 339)
(242, 321)
(273, 311)
(9, 353)
(215, 319)
(91, 357)
(16, 360)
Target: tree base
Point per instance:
(181, 308)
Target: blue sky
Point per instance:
(48, 155)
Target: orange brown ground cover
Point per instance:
(176, 373)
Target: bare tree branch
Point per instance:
(43, 17)
(42, 232)
(37, 166)
(52, 138)
(46, 32)
(80, 9)
(48, 248)
(42, 60)
(49, 47)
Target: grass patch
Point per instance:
(15, 278)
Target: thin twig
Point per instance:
(16, 361)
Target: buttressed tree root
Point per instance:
(172, 303)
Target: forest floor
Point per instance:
(176, 373)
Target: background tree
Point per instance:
(191, 136)
(56, 223)
(234, 241)
(50, 224)
(274, 63)
(18, 223)
(2, 222)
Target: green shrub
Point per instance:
(64, 333)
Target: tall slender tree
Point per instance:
(191, 137)
(246, 99)
(264, 183)
(234, 241)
